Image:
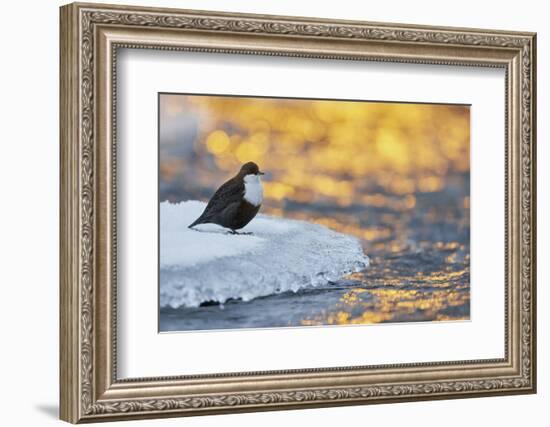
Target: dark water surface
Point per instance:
(419, 247)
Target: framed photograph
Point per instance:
(265, 212)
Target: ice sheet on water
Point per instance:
(280, 255)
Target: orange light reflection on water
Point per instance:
(328, 149)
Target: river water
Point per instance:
(420, 268)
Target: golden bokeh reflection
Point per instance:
(395, 175)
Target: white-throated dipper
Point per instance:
(236, 202)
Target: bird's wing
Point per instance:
(230, 192)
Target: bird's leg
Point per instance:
(244, 233)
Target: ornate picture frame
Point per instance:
(90, 37)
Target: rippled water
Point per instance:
(420, 269)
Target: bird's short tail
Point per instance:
(196, 222)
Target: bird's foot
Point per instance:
(242, 233)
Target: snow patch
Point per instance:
(208, 264)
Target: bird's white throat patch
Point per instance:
(253, 191)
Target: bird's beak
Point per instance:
(261, 173)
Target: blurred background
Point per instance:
(395, 175)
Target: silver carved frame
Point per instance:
(90, 36)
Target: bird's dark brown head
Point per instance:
(250, 168)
